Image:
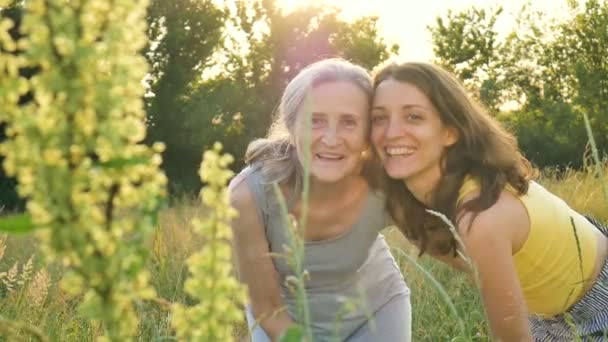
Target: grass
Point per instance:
(55, 315)
(582, 190)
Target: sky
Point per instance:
(405, 21)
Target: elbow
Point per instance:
(265, 308)
(514, 337)
(513, 332)
(272, 317)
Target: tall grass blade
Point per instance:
(596, 158)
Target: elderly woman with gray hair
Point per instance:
(345, 255)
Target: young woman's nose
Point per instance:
(394, 129)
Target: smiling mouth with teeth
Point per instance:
(399, 151)
(330, 157)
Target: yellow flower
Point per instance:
(92, 209)
(211, 281)
(53, 157)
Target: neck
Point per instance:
(424, 188)
(335, 191)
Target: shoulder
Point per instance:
(504, 221)
(244, 201)
(378, 207)
(469, 189)
(241, 195)
(250, 174)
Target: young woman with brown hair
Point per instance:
(541, 265)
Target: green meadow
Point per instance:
(30, 294)
(109, 112)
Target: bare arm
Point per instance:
(255, 265)
(489, 244)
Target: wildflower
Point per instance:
(211, 281)
(76, 153)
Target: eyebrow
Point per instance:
(406, 106)
(350, 115)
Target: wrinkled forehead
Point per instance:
(340, 97)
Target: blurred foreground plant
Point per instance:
(93, 189)
(211, 281)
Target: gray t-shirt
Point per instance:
(355, 267)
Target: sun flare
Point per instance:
(405, 22)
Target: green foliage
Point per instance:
(552, 71)
(16, 223)
(73, 150)
(596, 159)
(55, 314)
(551, 135)
(466, 43)
(586, 36)
(11, 18)
(183, 36)
(523, 77)
(217, 71)
(261, 49)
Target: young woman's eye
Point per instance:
(378, 119)
(414, 117)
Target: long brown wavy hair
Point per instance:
(484, 150)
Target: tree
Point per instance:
(561, 69)
(267, 47)
(584, 45)
(553, 70)
(466, 44)
(520, 59)
(184, 34)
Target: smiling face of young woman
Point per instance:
(339, 130)
(408, 134)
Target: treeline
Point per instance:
(217, 73)
(539, 79)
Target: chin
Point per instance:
(397, 176)
(397, 173)
(332, 175)
(328, 178)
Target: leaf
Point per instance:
(18, 223)
(293, 334)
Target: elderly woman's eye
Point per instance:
(317, 122)
(350, 123)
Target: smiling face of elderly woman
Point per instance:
(339, 121)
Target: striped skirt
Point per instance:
(586, 320)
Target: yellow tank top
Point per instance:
(552, 270)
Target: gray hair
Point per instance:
(277, 151)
